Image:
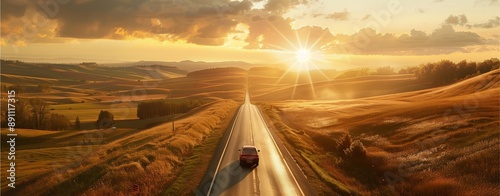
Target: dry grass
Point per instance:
(196, 165)
(76, 90)
(150, 159)
(442, 141)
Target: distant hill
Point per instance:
(93, 83)
(189, 66)
(17, 72)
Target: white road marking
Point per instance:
(254, 182)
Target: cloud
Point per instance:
(456, 20)
(421, 11)
(443, 40)
(487, 2)
(462, 21)
(196, 21)
(338, 16)
(12, 9)
(366, 17)
(276, 32)
(492, 23)
(213, 22)
(280, 6)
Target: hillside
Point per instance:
(91, 83)
(189, 66)
(320, 86)
(82, 72)
(440, 141)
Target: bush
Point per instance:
(344, 143)
(351, 150)
(356, 151)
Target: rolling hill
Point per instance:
(438, 141)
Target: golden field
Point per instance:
(436, 141)
(419, 139)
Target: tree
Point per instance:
(488, 65)
(444, 72)
(23, 117)
(465, 69)
(77, 123)
(58, 122)
(105, 120)
(39, 110)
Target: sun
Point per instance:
(303, 56)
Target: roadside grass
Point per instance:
(303, 152)
(334, 184)
(195, 166)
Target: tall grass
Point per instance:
(148, 161)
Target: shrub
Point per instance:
(344, 143)
(356, 151)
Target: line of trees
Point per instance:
(440, 73)
(446, 72)
(159, 108)
(33, 114)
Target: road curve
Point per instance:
(277, 173)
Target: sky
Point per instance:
(336, 34)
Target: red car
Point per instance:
(249, 156)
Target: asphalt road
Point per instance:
(277, 173)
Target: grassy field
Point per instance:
(440, 141)
(113, 161)
(145, 153)
(419, 140)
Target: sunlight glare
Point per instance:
(303, 56)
